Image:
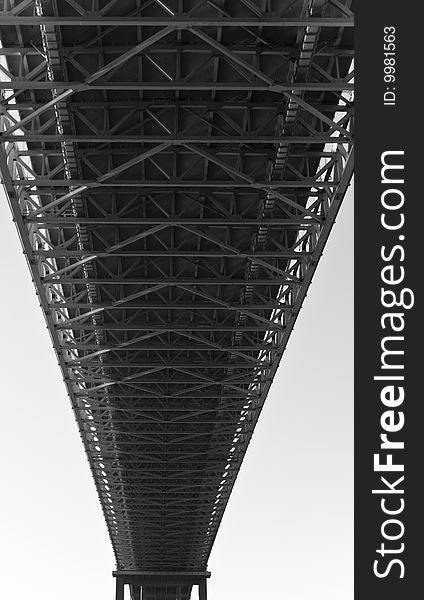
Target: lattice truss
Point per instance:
(174, 168)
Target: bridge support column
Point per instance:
(119, 589)
(203, 594)
(177, 584)
(135, 591)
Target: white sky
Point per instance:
(288, 529)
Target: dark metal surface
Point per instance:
(174, 169)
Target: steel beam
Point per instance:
(179, 85)
(177, 22)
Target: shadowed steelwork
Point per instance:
(174, 169)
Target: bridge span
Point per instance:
(174, 169)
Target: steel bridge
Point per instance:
(174, 168)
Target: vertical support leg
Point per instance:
(135, 591)
(119, 588)
(203, 595)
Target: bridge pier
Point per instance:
(150, 585)
(119, 589)
(203, 594)
(135, 592)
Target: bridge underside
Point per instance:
(174, 169)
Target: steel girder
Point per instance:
(174, 169)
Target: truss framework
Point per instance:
(174, 169)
